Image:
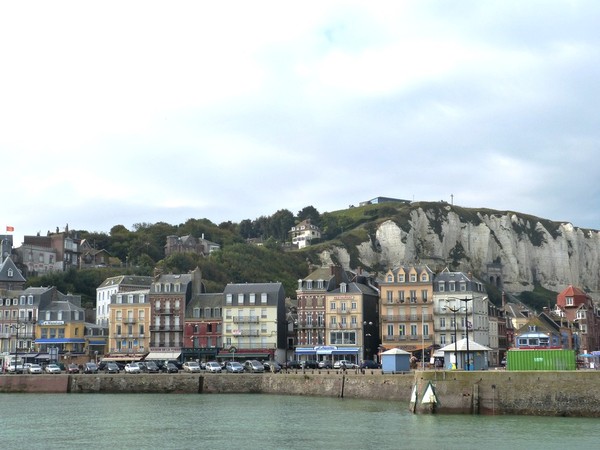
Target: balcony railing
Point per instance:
(252, 319)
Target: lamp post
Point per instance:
(466, 300)
(367, 339)
(16, 328)
(454, 310)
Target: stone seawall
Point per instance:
(539, 393)
(573, 393)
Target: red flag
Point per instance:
(9, 228)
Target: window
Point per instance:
(401, 296)
(413, 296)
(229, 299)
(142, 298)
(452, 286)
(401, 277)
(353, 306)
(581, 314)
(157, 304)
(390, 330)
(167, 287)
(569, 301)
(130, 298)
(442, 322)
(441, 286)
(401, 330)
(424, 295)
(343, 288)
(9, 273)
(332, 306)
(263, 313)
(443, 339)
(309, 320)
(424, 277)
(252, 299)
(196, 313)
(30, 300)
(343, 306)
(333, 321)
(240, 299)
(390, 278)
(263, 298)
(22, 300)
(413, 330)
(413, 277)
(207, 313)
(426, 329)
(390, 295)
(119, 298)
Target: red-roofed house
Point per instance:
(579, 309)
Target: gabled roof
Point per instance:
(8, 266)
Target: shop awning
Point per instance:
(97, 343)
(345, 350)
(136, 357)
(163, 355)
(306, 351)
(244, 355)
(60, 341)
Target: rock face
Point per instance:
(528, 250)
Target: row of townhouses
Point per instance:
(337, 314)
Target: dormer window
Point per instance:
(424, 277)
(9, 273)
(569, 301)
(343, 288)
(413, 277)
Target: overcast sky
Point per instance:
(121, 112)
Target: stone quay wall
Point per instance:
(538, 393)
(569, 393)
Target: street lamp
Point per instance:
(16, 327)
(466, 300)
(454, 310)
(367, 340)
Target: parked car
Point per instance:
(90, 367)
(52, 368)
(132, 368)
(253, 366)
(111, 367)
(310, 364)
(234, 367)
(15, 368)
(213, 367)
(272, 366)
(33, 368)
(344, 364)
(293, 365)
(72, 368)
(170, 368)
(150, 367)
(325, 364)
(191, 366)
(369, 364)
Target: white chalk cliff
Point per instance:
(530, 250)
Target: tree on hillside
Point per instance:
(310, 212)
(280, 224)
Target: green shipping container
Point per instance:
(541, 360)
